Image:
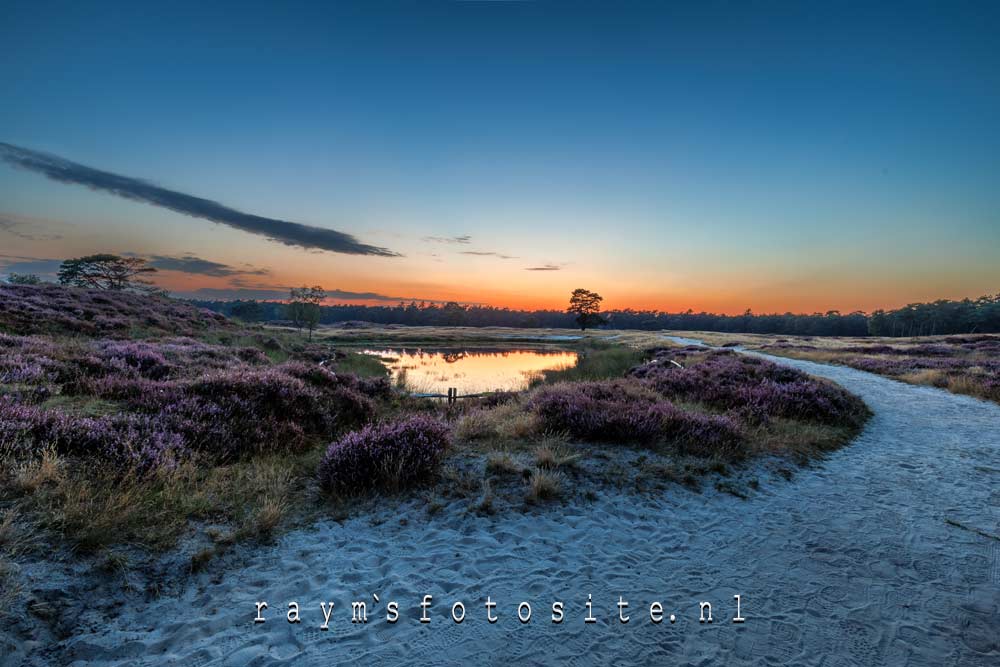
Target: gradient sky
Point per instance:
(778, 156)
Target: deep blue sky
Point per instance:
(718, 155)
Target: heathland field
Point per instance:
(144, 442)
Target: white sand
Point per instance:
(850, 562)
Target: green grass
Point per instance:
(598, 360)
(362, 365)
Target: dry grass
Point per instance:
(262, 522)
(30, 476)
(544, 485)
(92, 508)
(553, 456)
(801, 440)
(479, 336)
(15, 538)
(929, 377)
(485, 504)
(509, 422)
(502, 463)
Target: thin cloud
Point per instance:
(40, 266)
(282, 231)
(479, 253)
(546, 267)
(19, 226)
(202, 267)
(464, 239)
(281, 293)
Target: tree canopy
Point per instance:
(304, 306)
(109, 272)
(586, 307)
(980, 315)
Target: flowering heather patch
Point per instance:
(758, 387)
(139, 443)
(395, 455)
(176, 395)
(249, 410)
(962, 364)
(325, 379)
(609, 410)
(54, 309)
(626, 411)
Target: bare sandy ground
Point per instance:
(852, 562)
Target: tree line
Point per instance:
(980, 315)
(305, 309)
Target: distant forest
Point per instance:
(980, 315)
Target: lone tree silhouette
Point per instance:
(586, 305)
(303, 306)
(109, 272)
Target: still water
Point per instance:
(470, 371)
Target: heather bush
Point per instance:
(138, 443)
(55, 309)
(613, 410)
(701, 435)
(390, 455)
(754, 388)
(139, 358)
(622, 411)
(327, 380)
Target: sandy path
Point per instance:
(851, 562)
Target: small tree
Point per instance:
(23, 279)
(586, 305)
(303, 306)
(109, 272)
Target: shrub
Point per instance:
(390, 455)
(706, 435)
(754, 388)
(602, 410)
(139, 358)
(137, 443)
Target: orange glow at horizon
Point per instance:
(819, 297)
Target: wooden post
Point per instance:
(452, 395)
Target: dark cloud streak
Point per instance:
(282, 231)
(280, 294)
(199, 266)
(465, 238)
(483, 253)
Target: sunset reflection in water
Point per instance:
(470, 371)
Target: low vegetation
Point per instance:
(692, 402)
(197, 419)
(598, 360)
(960, 364)
(387, 456)
(132, 419)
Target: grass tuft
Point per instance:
(544, 485)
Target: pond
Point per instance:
(469, 371)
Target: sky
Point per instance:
(776, 156)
